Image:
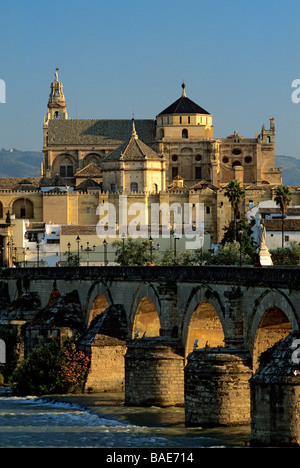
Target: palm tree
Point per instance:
(283, 198)
(235, 194)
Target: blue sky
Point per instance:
(119, 57)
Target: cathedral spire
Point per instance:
(57, 108)
(134, 133)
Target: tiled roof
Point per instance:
(202, 184)
(276, 224)
(92, 170)
(76, 230)
(97, 132)
(87, 184)
(132, 150)
(9, 183)
(55, 181)
(184, 105)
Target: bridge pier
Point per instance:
(105, 342)
(154, 372)
(275, 396)
(217, 389)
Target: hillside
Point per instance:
(16, 163)
(290, 169)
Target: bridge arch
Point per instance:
(145, 311)
(274, 316)
(203, 320)
(97, 300)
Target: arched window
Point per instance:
(23, 208)
(66, 171)
(161, 134)
(134, 186)
(184, 133)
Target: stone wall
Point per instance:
(217, 389)
(275, 396)
(154, 372)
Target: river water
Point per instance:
(102, 420)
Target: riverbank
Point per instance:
(164, 422)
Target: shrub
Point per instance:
(49, 369)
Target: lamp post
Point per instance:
(38, 252)
(69, 249)
(123, 248)
(9, 253)
(105, 252)
(78, 240)
(241, 236)
(151, 248)
(88, 250)
(175, 250)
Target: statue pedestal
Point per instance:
(264, 256)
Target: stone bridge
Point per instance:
(134, 317)
(246, 306)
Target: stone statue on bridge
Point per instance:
(259, 237)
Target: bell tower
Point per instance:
(57, 108)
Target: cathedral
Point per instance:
(178, 143)
(173, 158)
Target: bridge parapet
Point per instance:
(246, 275)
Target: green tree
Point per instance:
(283, 198)
(287, 255)
(235, 193)
(229, 254)
(244, 231)
(134, 252)
(71, 258)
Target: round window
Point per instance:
(225, 160)
(174, 157)
(198, 157)
(248, 159)
(236, 151)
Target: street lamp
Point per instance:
(9, 253)
(88, 250)
(69, 248)
(38, 252)
(151, 248)
(105, 252)
(175, 251)
(241, 235)
(123, 248)
(78, 240)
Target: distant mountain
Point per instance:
(16, 163)
(290, 169)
